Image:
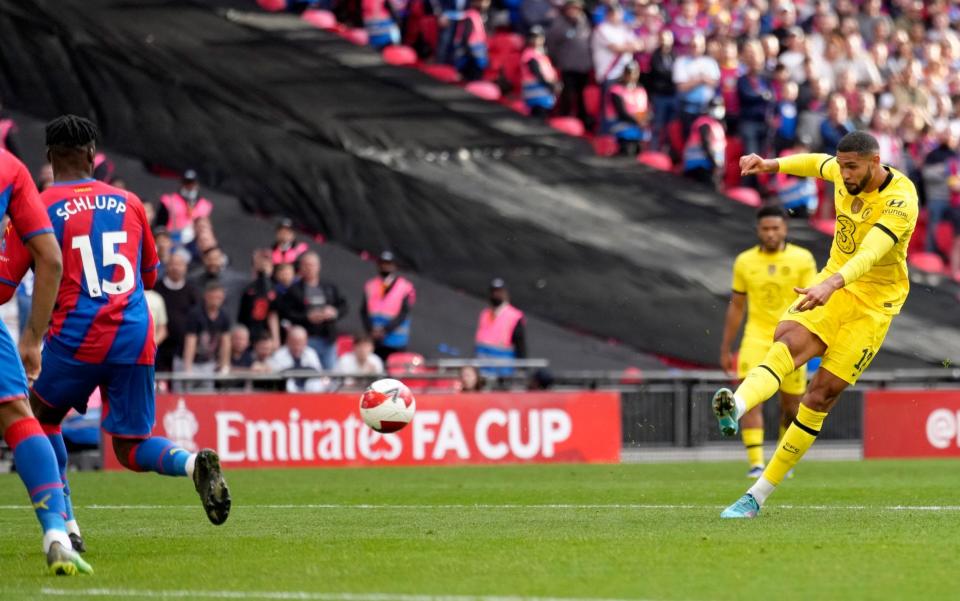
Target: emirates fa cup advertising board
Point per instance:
(911, 423)
(313, 430)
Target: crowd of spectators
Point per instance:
(706, 81)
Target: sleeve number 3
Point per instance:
(96, 287)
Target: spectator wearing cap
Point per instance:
(206, 347)
(501, 330)
(628, 112)
(538, 77)
(387, 301)
(360, 360)
(179, 209)
(286, 249)
(314, 305)
(696, 77)
(613, 46)
(259, 297)
(179, 297)
(568, 44)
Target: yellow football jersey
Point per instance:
(768, 280)
(893, 207)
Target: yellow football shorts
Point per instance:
(753, 351)
(852, 332)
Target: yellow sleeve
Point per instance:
(809, 165)
(877, 243)
(739, 284)
(899, 217)
(808, 271)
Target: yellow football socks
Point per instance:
(795, 442)
(753, 441)
(763, 381)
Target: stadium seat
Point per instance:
(444, 73)
(605, 146)
(344, 344)
(321, 19)
(943, 237)
(401, 365)
(356, 36)
(518, 105)
(505, 43)
(824, 226)
(747, 196)
(568, 125)
(657, 160)
(632, 376)
(484, 89)
(927, 262)
(400, 56)
(591, 101)
(273, 5)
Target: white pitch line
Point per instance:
(293, 595)
(509, 506)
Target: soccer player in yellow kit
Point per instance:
(765, 278)
(845, 316)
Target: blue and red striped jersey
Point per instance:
(109, 256)
(20, 201)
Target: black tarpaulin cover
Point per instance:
(298, 122)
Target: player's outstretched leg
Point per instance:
(55, 436)
(37, 468)
(157, 454)
(761, 383)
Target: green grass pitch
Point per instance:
(573, 532)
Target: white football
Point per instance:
(387, 405)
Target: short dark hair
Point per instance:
(71, 131)
(362, 337)
(859, 142)
(771, 211)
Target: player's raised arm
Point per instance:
(800, 165)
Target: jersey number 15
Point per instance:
(96, 287)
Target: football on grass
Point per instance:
(387, 405)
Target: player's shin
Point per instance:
(157, 454)
(55, 436)
(37, 468)
(796, 441)
(763, 381)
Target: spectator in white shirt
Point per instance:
(613, 46)
(361, 360)
(295, 355)
(696, 77)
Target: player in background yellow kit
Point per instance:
(765, 279)
(845, 316)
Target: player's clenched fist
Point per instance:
(753, 164)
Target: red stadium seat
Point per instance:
(401, 365)
(518, 105)
(505, 43)
(632, 376)
(273, 5)
(356, 36)
(928, 262)
(344, 344)
(568, 125)
(591, 101)
(824, 226)
(747, 196)
(400, 56)
(605, 146)
(657, 160)
(484, 89)
(444, 73)
(944, 237)
(321, 19)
